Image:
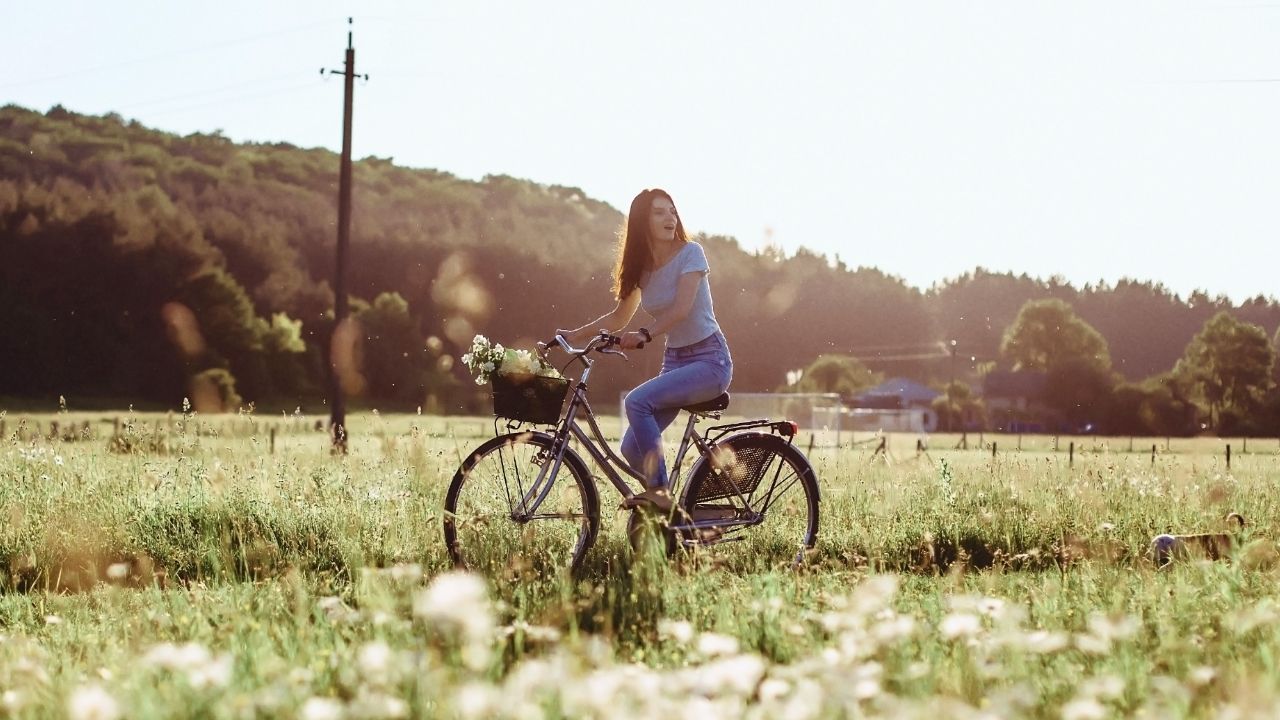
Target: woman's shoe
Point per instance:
(658, 498)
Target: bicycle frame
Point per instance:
(614, 467)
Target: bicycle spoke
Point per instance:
(491, 530)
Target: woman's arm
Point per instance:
(613, 321)
(686, 292)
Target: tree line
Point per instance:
(147, 266)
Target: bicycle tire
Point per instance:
(776, 481)
(482, 530)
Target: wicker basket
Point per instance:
(529, 398)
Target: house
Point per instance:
(1015, 400)
(895, 405)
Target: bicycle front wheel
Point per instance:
(757, 488)
(505, 515)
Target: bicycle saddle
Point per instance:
(713, 405)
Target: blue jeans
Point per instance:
(690, 374)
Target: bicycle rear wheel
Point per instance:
(489, 524)
(759, 489)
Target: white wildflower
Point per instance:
(12, 701)
(375, 661)
(458, 603)
(958, 625)
(337, 611)
(216, 673)
(92, 703)
(1103, 687)
(1084, 709)
(177, 657)
(318, 708)
(679, 630)
(1201, 675)
(737, 675)
(715, 645)
(893, 629)
(866, 680)
(377, 706)
(773, 689)
(1043, 642)
(52, 620)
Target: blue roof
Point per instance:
(910, 392)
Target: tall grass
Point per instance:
(187, 570)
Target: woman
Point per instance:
(660, 270)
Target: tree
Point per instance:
(956, 405)
(1048, 333)
(835, 374)
(394, 351)
(1228, 365)
(1049, 337)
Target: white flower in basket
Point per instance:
(525, 387)
(486, 358)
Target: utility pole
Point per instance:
(951, 388)
(337, 405)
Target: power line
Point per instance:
(163, 56)
(214, 91)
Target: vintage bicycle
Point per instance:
(527, 497)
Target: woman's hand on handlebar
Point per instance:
(632, 341)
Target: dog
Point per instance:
(1212, 546)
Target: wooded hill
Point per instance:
(110, 232)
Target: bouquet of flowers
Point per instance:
(488, 358)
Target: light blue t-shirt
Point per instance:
(658, 292)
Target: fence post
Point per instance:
(993, 449)
(1071, 454)
(1228, 456)
(1244, 445)
(1055, 443)
(273, 440)
(2, 435)
(1130, 443)
(1153, 453)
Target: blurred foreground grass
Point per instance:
(203, 567)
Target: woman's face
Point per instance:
(662, 220)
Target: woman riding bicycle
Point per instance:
(661, 270)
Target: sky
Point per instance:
(1088, 140)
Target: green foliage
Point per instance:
(214, 391)
(1228, 365)
(836, 374)
(957, 407)
(1047, 334)
(103, 221)
(1157, 406)
(394, 353)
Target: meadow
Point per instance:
(173, 565)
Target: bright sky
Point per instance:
(1086, 139)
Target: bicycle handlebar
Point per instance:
(603, 342)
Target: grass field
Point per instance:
(231, 568)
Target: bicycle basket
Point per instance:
(735, 470)
(529, 398)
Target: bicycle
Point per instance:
(510, 501)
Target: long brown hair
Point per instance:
(635, 248)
